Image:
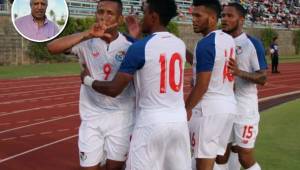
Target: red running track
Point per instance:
(39, 118)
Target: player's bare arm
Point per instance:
(258, 77)
(200, 88)
(110, 88)
(64, 44)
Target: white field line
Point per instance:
(39, 85)
(37, 108)
(46, 133)
(41, 90)
(37, 148)
(14, 82)
(278, 96)
(6, 139)
(34, 124)
(37, 98)
(63, 130)
(27, 136)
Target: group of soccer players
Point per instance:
(131, 102)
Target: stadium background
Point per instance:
(282, 16)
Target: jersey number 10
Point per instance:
(171, 70)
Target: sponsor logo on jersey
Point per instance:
(95, 54)
(120, 56)
(83, 156)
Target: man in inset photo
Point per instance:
(36, 26)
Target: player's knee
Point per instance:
(246, 157)
(222, 159)
(114, 165)
(245, 152)
(234, 149)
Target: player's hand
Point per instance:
(133, 26)
(101, 30)
(85, 72)
(232, 65)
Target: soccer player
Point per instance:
(160, 138)
(106, 122)
(250, 69)
(211, 101)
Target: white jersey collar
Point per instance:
(241, 37)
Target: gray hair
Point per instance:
(31, 2)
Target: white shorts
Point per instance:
(210, 134)
(105, 138)
(245, 130)
(244, 135)
(160, 147)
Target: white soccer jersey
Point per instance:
(157, 63)
(212, 54)
(250, 58)
(103, 61)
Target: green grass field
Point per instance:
(278, 144)
(286, 59)
(10, 72)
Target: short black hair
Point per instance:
(211, 4)
(241, 10)
(166, 9)
(119, 2)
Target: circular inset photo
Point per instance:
(39, 20)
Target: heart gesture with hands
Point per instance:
(101, 30)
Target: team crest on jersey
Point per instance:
(83, 156)
(120, 56)
(238, 50)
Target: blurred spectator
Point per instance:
(284, 13)
(1, 5)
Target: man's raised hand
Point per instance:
(133, 26)
(101, 30)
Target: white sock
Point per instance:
(233, 162)
(254, 167)
(221, 166)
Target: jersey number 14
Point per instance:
(171, 70)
